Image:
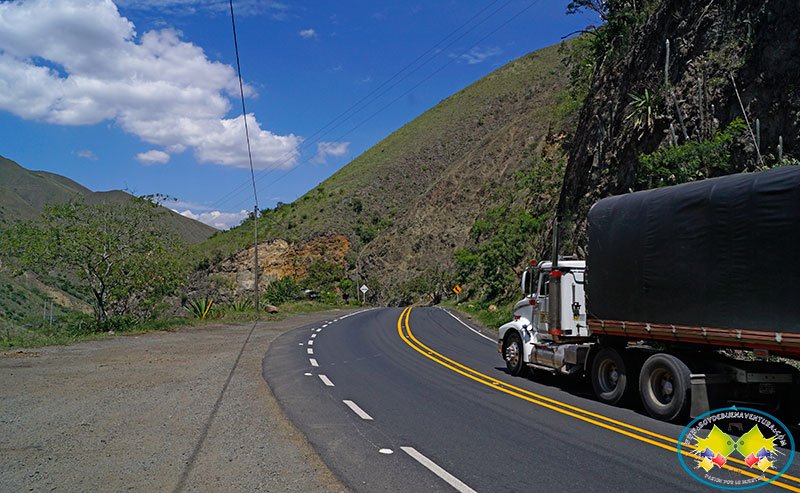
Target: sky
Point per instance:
(143, 95)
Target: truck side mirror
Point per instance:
(528, 282)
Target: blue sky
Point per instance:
(142, 94)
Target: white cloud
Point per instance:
(325, 149)
(478, 55)
(152, 157)
(308, 33)
(78, 62)
(217, 219)
(87, 154)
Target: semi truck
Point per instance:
(688, 299)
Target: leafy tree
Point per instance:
(500, 235)
(120, 251)
(346, 287)
(620, 20)
(323, 275)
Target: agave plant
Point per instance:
(241, 305)
(645, 107)
(199, 307)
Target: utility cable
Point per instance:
(515, 16)
(250, 157)
(286, 158)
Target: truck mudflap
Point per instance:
(704, 393)
(778, 343)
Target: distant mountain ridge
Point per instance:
(24, 193)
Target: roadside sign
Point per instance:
(364, 288)
(457, 289)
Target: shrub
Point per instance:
(689, 161)
(282, 290)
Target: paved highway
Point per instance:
(416, 400)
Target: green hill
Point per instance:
(24, 193)
(410, 201)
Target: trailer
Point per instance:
(685, 297)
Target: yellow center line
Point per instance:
(553, 404)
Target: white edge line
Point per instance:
(434, 468)
(360, 412)
(313, 362)
(326, 380)
(355, 313)
(467, 326)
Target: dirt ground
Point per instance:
(168, 411)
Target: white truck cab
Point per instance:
(536, 336)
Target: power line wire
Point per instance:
(453, 59)
(250, 156)
(286, 158)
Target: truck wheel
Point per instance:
(664, 386)
(512, 354)
(609, 375)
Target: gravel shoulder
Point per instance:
(165, 411)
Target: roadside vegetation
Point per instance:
(119, 260)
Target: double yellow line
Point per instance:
(631, 431)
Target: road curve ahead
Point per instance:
(416, 400)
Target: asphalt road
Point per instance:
(398, 400)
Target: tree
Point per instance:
(323, 275)
(127, 259)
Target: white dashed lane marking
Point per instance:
(434, 468)
(360, 412)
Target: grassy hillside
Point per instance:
(24, 193)
(410, 201)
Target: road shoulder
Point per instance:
(154, 412)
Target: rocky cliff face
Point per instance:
(711, 45)
(234, 277)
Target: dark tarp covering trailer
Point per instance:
(722, 253)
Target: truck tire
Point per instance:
(664, 386)
(512, 354)
(610, 375)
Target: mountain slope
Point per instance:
(24, 193)
(409, 202)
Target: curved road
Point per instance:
(416, 400)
